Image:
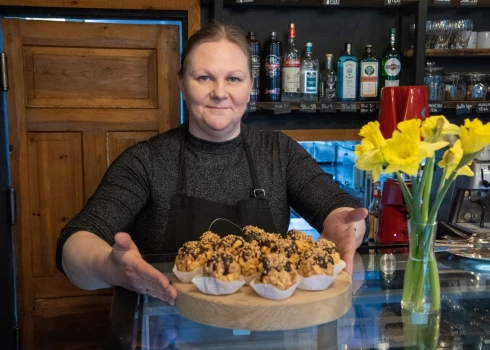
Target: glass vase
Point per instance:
(421, 291)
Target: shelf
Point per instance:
(453, 104)
(309, 3)
(457, 3)
(461, 107)
(451, 53)
(365, 107)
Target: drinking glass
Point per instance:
(443, 33)
(429, 31)
(461, 33)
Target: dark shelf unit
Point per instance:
(451, 53)
(361, 22)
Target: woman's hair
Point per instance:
(212, 32)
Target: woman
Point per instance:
(170, 189)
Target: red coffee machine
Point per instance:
(393, 214)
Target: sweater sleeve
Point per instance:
(311, 192)
(121, 195)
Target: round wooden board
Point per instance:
(247, 310)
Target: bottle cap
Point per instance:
(329, 55)
(251, 33)
(273, 34)
(291, 25)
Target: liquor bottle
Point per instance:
(254, 46)
(328, 80)
(272, 69)
(308, 76)
(369, 76)
(347, 75)
(290, 68)
(374, 215)
(391, 65)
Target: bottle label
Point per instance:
(329, 87)
(389, 83)
(255, 75)
(309, 82)
(349, 80)
(369, 79)
(290, 79)
(272, 65)
(393, 67)
(291, 62)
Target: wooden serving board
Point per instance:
(247, 310)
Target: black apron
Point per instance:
(190, 217)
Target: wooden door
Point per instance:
(80, 93)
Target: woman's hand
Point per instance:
(345, 227)
(134, 273)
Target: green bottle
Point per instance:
(391, 65)
(369, 76)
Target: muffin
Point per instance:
(223, 266)
(316, 262)
(231, 244)
(276, 270)
(268, 242)
(330, 248)
(301, 239)
(192, 255)
(248, 259)
(210, 239)
(251, 234)
(289, 249)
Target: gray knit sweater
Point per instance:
(134, 195)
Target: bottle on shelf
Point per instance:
(328, 80)
(347, 75)
(254, 46)
(290, 68)
(309, 76)
(272, 68)
(369, 76)
(391, 64)
(374, 213)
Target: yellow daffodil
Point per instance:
(405, 150)
(372, 160)
(410, 128)
(474, 136)
(451, 161)
(437, 128)
(372, 133)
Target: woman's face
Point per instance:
(216, 87)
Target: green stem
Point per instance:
(405, 192)
(434, 284)
(427, 187)
(416, 202)
(422, 182)
(407, 292)
(440, 197)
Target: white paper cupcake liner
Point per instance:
(270, 292)
(319, 282)
(186, 277)
(248, 279)
(339, 267)
(211, 285)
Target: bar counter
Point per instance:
(374, 321)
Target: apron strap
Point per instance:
(182, 178)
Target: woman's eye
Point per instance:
(234, 79)
(203, 78)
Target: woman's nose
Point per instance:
(219, 91)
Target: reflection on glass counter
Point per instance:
(374, 321)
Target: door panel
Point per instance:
(55, 172)
(86, 77)
(62, 323)
(80, 93)
(119, 141)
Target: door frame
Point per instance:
(187, 11)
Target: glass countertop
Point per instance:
(374, 321)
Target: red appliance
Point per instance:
(401, 103)
(393, 214)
